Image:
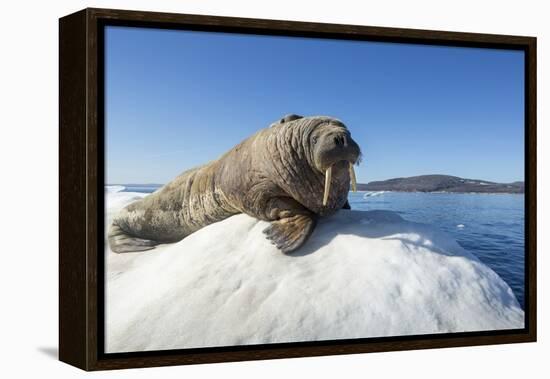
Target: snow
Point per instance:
(361, 274)
(114, 188)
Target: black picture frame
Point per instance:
(81, 183)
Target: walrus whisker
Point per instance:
(328, 178)
(352, 177)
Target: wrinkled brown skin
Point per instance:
(276, 175)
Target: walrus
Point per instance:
(290, 174)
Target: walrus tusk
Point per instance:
(328, 178)
(352, 177)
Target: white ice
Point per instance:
(114, 188)
(374, 193)
(361, 274)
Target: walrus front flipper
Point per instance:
(289, 233)
(120, 242)
(346, 206)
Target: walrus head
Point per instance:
(311, 159)
(333, 151)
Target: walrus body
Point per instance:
(277, 175)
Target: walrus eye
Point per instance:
(314, 140)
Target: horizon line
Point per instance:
(359, 182)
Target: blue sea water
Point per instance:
(142, 189)
(490, 226)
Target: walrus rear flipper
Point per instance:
(120, 242)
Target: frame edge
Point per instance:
(73, 301)
(321, 29)
(78, 187)
(531, 177)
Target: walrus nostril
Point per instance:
(339, 140)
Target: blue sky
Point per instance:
(177, 99)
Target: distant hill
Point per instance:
(441, 183)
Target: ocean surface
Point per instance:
(491, 226)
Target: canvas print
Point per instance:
(269, 189)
